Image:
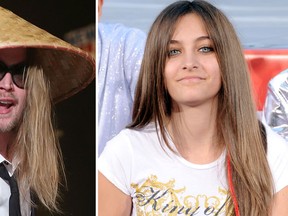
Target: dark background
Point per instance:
(76, 115)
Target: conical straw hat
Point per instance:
(68, 68)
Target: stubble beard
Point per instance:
(6, 126)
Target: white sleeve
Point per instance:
(133, 53)
(278, 158)
(115, 162)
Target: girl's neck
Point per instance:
(194, 133)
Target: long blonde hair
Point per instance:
(236, 109)
(37, 147)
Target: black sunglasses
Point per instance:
(17, 71)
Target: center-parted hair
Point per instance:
(236, 109)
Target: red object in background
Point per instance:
(263, 66)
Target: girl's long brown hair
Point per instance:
(237, 122)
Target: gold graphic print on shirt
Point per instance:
(155, 198)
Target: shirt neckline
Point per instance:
(177, 156)
(10, 166)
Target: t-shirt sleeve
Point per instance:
(115, 162)
(278, 159)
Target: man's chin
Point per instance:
(7, 127)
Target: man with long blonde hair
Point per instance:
(37, 70)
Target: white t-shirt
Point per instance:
(160, 182)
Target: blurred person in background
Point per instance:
(120, 50)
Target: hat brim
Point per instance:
(68, 68)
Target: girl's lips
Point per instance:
(191, 79)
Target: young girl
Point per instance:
(195, 146)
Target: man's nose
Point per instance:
(6, 82)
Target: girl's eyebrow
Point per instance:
(173, 41)
(203, 38)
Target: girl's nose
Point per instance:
(190, 62)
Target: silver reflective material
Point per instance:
(119, 56)
(275, 110)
